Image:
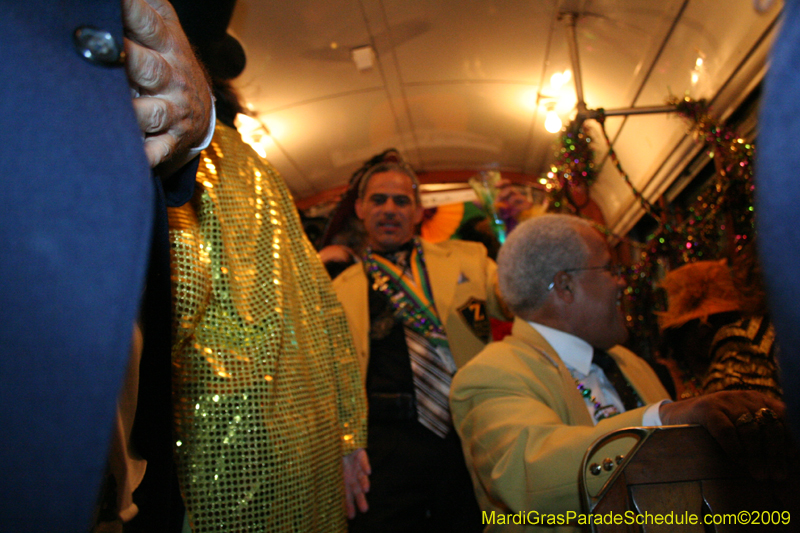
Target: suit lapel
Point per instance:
(443, 274)
(355, 293)
(635, 376)
(576, 406)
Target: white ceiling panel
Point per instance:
(456, 84)
(472, 40)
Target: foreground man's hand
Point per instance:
(174, 103)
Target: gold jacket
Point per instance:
(525, 427)
(464, 285)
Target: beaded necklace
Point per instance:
(600, 412)
(410, 296)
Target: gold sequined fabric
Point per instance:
(266, 383)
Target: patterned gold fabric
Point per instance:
(743, 358)
(267, 388)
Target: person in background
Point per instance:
(418, 311)
(528, 407)
(82, 227)
(714, 339)
(513, 206)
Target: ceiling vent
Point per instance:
(363, 57)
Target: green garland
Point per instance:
(717, 224)
(573, 168)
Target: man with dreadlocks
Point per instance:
(418, 311)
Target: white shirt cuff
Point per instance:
(651, 416)
(209, 134)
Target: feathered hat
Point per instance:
(698, 290)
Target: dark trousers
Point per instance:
(419, 483)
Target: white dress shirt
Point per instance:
(577, 356)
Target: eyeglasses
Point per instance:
(615, 270)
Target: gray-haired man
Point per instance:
(528, 407)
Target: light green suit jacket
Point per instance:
(461, 275)
(525, 427)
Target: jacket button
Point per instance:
(98, 46)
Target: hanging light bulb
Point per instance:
(552, 122)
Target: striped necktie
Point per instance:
(432, 377)
(432, 364)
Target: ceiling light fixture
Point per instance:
(582, 111)
(552, 122)
(559, 79)
(254, 133)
